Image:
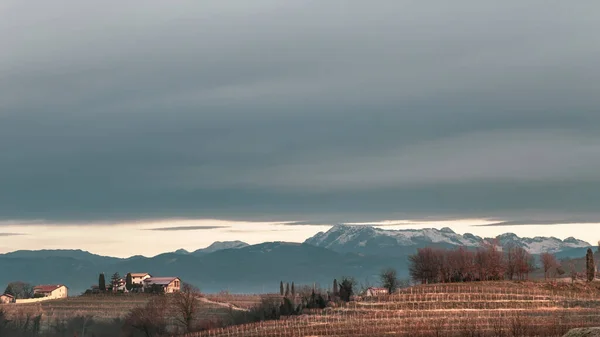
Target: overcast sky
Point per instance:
(316, 111)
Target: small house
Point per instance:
(165, 284)
(50, 291)
(6, 298)
(372, 291)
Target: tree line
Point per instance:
(489, 262)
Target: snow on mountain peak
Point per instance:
(367, 239)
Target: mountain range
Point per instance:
(377, 241)
(358, 251)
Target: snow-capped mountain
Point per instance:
(538, 244)
(371, 240)
(220, 245)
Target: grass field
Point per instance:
(469, 309)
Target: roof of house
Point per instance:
(47, 288)
(161, 280)
(139, 274)
(8, 295)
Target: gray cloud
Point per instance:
(537, 222)
(186, 228)
(335, 111)
(11, 234)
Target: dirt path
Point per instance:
(226, 305)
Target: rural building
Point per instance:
(138, 278)
(372, 291)
(6, 298)
(50, 291)
(119, 285)
(167, 284)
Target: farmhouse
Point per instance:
(50, 291)
(372, 291)
(165, 284)
(6, 298)
(138, 278)
(118, 285)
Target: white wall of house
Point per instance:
(5, 299)
(139, 279)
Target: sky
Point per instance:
(118, 117)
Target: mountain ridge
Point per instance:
(373, 240)
(361, 252)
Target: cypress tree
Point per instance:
(293, 290)
(281, 288)
(101, 282)
(589, 264)
(287, 289)
(128, 282)
(335, 288)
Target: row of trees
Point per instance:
(342, 291)
(115, 279)
(487, 263)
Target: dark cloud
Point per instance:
(337, 111)
(186, 228)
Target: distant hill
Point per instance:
(249, 269)
(77, 254)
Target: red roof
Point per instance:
(8, 295)
(47, 288)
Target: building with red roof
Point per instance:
(51, 291)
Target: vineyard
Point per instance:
(239, 300)
(491, 309)
(98, 307)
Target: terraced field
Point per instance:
(490, 309)
(239, 300)
(97, 307)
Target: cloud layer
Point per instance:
(334, 111)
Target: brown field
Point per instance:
(470, 309)
(97, 307)
(239, 300)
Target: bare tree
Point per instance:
(389, 280)
(510, 260)
(149, 319)
(185, 304)
(549, 263)
(424, 266)
(492, 261)
(523, 263)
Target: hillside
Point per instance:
(467, 309)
